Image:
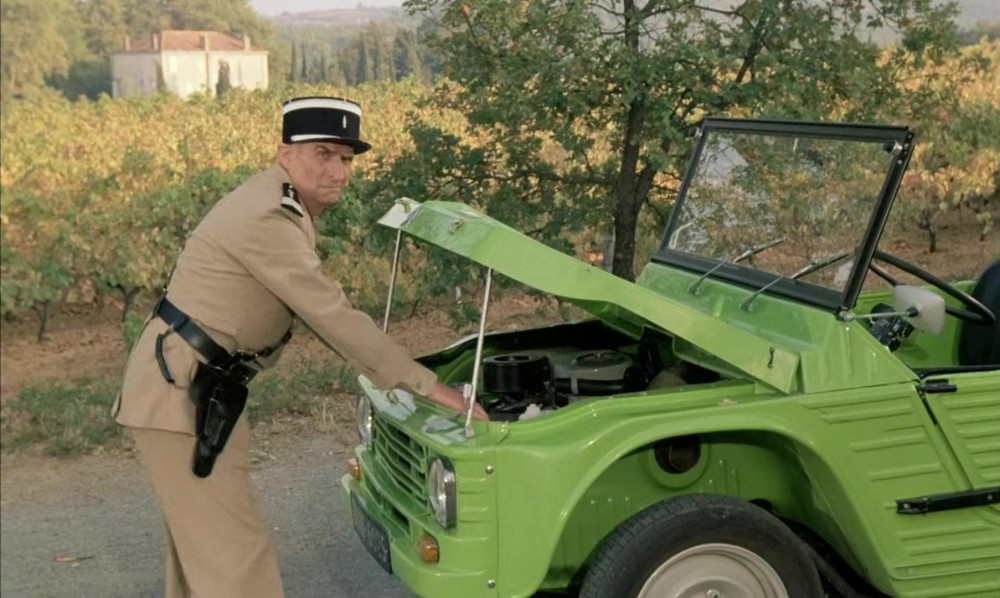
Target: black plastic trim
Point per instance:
(877, 223)
(954, 369)
(826, 130)
(937, 386)
(948, 502)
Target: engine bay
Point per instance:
(525, 374)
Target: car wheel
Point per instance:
(702, 546)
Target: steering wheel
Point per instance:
(975, 311)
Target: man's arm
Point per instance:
(277, 254)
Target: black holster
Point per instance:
(219, 395)
(219, 388)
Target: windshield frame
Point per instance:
(897, 139)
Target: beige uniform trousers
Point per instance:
(218, 545)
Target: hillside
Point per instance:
(970, 13)
(344, 17)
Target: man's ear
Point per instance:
(284, 155)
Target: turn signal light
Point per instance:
(354, 468)
(428, 549)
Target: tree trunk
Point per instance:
(128, 298)
(42, 310)
(626, 220)
(926, 222)
(627, 203)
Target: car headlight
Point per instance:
(441, 490)
(364, 418)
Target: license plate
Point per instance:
(372, 535)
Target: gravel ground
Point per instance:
(90, 527)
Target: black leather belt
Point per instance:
(215, 355)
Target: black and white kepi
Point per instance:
(323, 119)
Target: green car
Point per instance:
(780, 406)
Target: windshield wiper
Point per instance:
(696, 285)
(803, 271)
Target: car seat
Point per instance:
(979, 344)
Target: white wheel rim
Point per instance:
(714, 571)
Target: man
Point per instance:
(246, 271)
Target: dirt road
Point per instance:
(90, 527)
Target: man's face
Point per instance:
(319, 171)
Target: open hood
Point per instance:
(621, 304)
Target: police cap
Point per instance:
(323, 119)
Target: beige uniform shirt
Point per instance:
(246, 270)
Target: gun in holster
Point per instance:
(219, 387)
(219, 396)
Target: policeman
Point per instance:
(246, 271)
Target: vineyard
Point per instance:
(98, 197)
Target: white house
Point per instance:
(186, 62)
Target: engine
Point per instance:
(522, 385)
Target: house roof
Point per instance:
(189, 41)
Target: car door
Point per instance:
(966, 407)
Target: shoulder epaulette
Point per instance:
(290, 199)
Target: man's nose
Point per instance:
(338, 169)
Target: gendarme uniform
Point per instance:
(246, 271)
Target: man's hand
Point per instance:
(451, 398)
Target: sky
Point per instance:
(270, 8)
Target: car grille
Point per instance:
(402, 458)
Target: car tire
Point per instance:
(702, 545)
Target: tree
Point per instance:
(104, 25)
(380, 44)
(145, 17)
(39, 40)
(583, 106)
(956, 165)
(366, 66)
(304, 76)
(223, 85)
(406, 54)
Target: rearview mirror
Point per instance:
(927, 308)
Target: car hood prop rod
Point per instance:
(392, 280)
(470, 391)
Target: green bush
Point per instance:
(65, 420)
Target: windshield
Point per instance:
(796, 205)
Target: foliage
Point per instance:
(957, 161)
(352, 56)
(73, 419)
(131, 330)
(38, 260)
(65, 44)
(100, 196)
(297, 393)
(37, 42)
(68, 420)
(584, 106)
